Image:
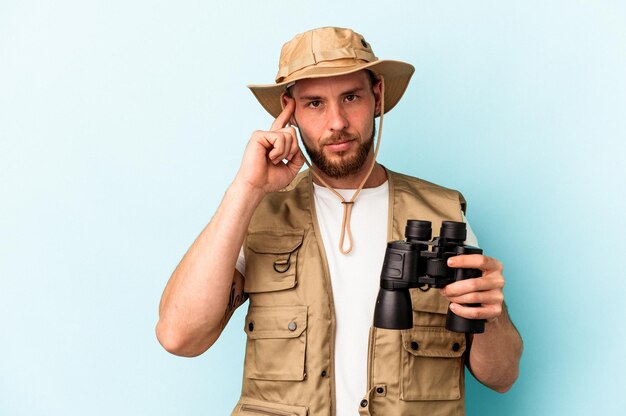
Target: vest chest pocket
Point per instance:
(276, 343)
(272, 260)
(432, 362)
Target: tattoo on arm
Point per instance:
(237, 297)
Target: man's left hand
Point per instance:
(485, 290)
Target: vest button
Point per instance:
(292, 326)
(456, 347)
(363, 403)
(323, 373)
(414, 346)
(250, 327)
(380, 390)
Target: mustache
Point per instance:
(338, 138)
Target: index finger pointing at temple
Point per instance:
(283, 118)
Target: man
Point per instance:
(313, 245)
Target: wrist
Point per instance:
(499, 323)
(246, 191)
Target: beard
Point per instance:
(346, 166)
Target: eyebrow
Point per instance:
(311, 97)
(318, 97)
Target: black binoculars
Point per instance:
(421, 262)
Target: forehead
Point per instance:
(337, 84)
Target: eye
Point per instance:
(350, 97)
(314, 104)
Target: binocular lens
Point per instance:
(418, 230)
(453, 230)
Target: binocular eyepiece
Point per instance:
(421, 262)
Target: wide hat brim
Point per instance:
(396, 74)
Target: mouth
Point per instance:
(340, 145)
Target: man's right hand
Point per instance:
(262, 166)
(205, 288)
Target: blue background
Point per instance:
(122, 123)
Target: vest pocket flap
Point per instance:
(263, 322)
(433, 342)
(432, 364)
(275, 242)
(272, 260)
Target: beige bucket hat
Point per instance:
(331, 51)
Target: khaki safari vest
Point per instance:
(290, 325)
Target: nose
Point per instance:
(337, 120)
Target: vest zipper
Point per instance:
(371, 341)
(331, 300)
(264, 410)
(370, 357)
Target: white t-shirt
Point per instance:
(355, 279)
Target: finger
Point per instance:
(279, 146)
(286, 143)
(484, 298)
(295, 148)
(266, 138)
(488, 312)
(289, 144)
(479, 284)
(475, 261)
(296, 162)
(283, 118)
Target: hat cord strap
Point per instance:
(347, 205)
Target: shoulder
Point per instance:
(298, 189)
(300, 180)
(428, 190)
(284, 208)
